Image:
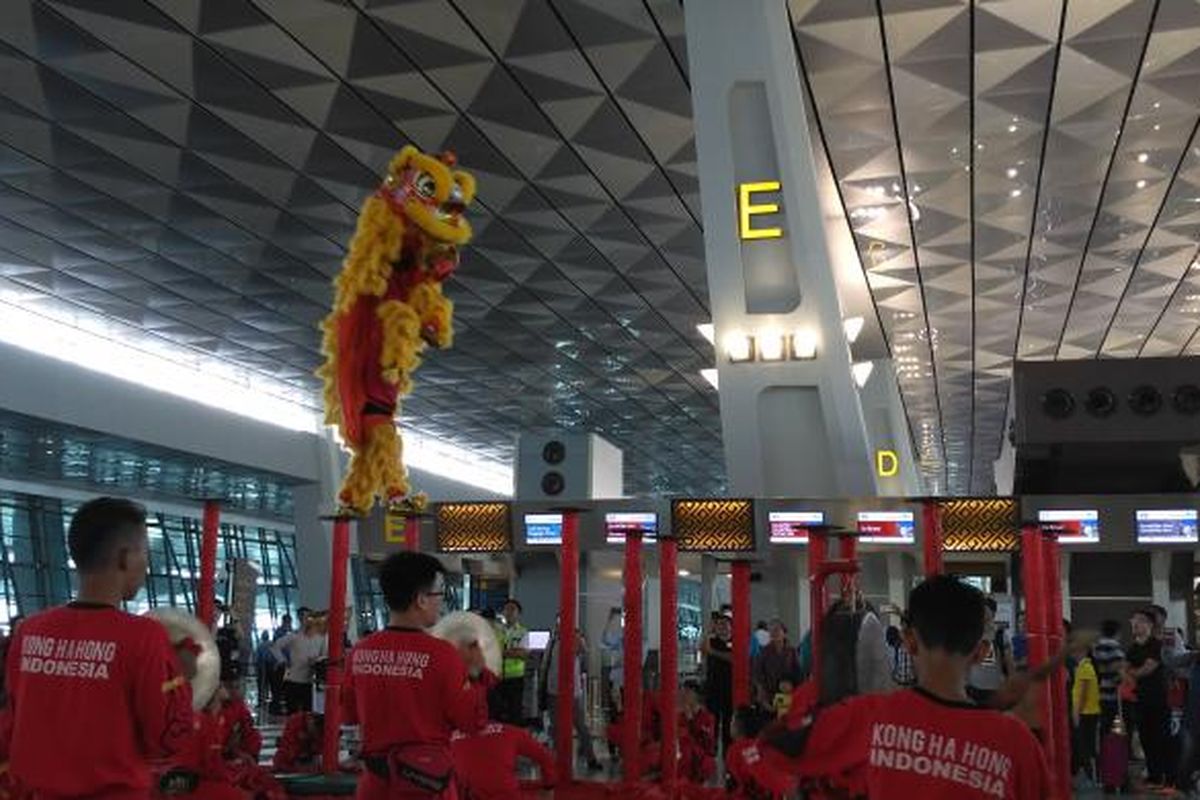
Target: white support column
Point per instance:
(1064, 571)
(1160, 577)
(791, 426)
(314, 536)
(897, 580)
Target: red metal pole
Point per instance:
(1058, 681)
(337, 629)
(207, 588)
(668, 580)
(631, 751)
(847, 551)
(1033, 580)
(412, 534)
(741, 633)
(817, 552)
(931, 542)
(568, 592)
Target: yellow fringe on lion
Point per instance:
(388, 307)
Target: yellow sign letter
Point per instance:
(746, 209)
(887, 463)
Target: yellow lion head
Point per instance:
(431, 193)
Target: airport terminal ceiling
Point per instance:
(1020, 178)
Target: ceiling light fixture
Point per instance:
(853, 327)
(862, 372)
(1012, 128)
(1143, 158)
(707, 331)
(739, 346)
(771, 345)
(804, 344)
(710, 375)
(683, 573)
(1011, 172)
(1141, 184)
(1015, 193)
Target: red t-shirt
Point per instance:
(404, 686)
(95, 694)
(910, 744)
(486, 762)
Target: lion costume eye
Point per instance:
(425, 184)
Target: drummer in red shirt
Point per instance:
(409, 691)
(929, 742)
(94, 692)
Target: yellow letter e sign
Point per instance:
(747, 209)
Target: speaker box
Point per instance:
(568, 466)
(1110, 400)
(1111, 425)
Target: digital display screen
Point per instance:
(618, 523)
(537, 640)
(1167, 525)
(791, 527)
(543, 528)
(891, 527)
(1080, 526)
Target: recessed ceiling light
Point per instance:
(1157, 104)
(1015, 193)
(1157, 126)
(1011, 172)
(1143, 158)
(1012, 128)
(739, 346)
(1141, 184)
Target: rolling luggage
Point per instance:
(1114, 755)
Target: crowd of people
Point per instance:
(931, 709)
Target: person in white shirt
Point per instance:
(301, 651)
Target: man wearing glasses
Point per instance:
(409, 691)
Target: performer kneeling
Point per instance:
(409, 691)
(697, 737)
(929, 742)
(485, 763)
(96, 693)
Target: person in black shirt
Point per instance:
(718, 676)
(1151, 715)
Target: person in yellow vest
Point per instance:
(1085, 713)
(513, 638)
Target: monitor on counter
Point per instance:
(886, 527)
(543, 528)
(1167, 526)
(536, 640)
(618, 523)
(791, 527)
(1081, 526)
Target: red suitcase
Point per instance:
(1114, 755)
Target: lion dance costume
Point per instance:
(388, 308)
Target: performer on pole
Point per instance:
(409, 691)
(94, 692)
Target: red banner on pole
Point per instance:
(632, 705)
(337, 629)
(207, 587)
(564, 706)
(669, 625)
(741, 633)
